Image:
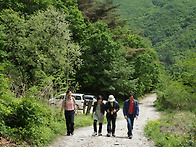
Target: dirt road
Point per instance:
(83, 136)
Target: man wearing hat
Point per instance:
(111, 107)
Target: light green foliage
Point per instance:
(33, 122)
(169, 24)
(25, 119)
(173, 130)
(180, 92)
(175, 96)
(39, 47)
(188, 70)
(159, 19)
(133, 41)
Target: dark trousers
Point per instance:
(95, 126)
(130, 121)
(111, 128)
(69, 117)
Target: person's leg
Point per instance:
(129, 125)
(95, 126)
(67, 121)
(113, 126)
(100, 129)
(72, 113)
(109, 126)
(132, 122)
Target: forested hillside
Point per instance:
(48, 47)
(170, 25)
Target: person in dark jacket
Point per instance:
(111, 107)
(130, 111)
(98, 111)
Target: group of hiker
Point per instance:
(111, 107)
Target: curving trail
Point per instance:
(83, 136)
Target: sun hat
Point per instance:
(111, 98)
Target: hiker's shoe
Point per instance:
(72, 133)
(94, 134)
(130, 137)
(108, 135)
(113, 135)
(99, 134)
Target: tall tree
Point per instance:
(105, 11)
(39, 48)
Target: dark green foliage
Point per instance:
(128, 39)
(104, 11)
(74, 17)
(43, 46)
(25, 6)
(99, 51)
(180, 94)
(120, 74)
(147, 72)
(106, 68)
(170, 25)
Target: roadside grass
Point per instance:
(27, 122)
(42, 133)
(173, 129)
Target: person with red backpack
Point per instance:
(69, 107)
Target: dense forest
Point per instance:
(171, 27)
(92, 47)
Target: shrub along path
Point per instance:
(83, 136)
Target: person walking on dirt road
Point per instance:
(98, 111)
(111, 107)
(130, 111)
(69, 106)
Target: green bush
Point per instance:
(173, 130)
(176, 96)
(28, 120)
